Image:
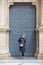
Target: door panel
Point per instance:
(22, 21)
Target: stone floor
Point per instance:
(21, 61)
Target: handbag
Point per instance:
(21, 45)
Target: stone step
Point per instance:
(21, 61)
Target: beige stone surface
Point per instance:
(22, 0)
(41, 43)
(4, 29)
(41, 12)
(4, 26)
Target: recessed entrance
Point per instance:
(22, 21)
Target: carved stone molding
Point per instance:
(4, 29)
(34, 3)
(22, 0)
(4, 56)
(41, 29)
(36, 30)
(11, 2)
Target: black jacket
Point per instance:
(22, 40)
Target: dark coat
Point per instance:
(22, 41)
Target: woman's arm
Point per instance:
(19, 40)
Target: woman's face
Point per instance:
(23, 36)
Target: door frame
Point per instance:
(37, 3)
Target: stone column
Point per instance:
(4, 30)
(40, 53)
(38, 21)
(41, 12)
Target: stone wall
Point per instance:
(4, 29)
(42, 12)
(41, 33)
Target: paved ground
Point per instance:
(21, 61)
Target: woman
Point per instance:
(22, 42)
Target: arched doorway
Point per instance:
(22, 20)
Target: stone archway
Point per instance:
(36, 3)
(22, 20)
(4, 26)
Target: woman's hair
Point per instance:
(23, 35)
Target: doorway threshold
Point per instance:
(23, 58)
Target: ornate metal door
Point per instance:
(22, 21)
